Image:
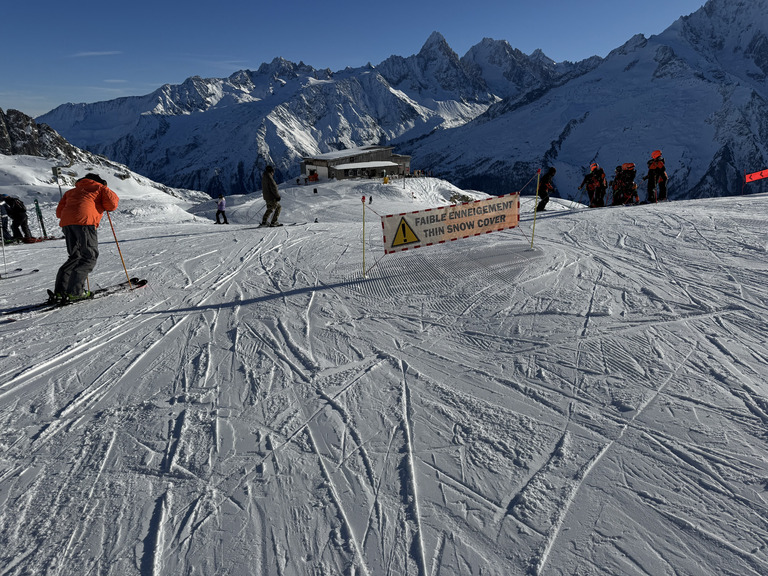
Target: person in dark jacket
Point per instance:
(271, 197)
(596, 185)
(545, 188)
(79, 212)
(17, 212)
(657, 175)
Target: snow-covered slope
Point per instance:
(31, 178)
(594, 405)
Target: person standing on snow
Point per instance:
(545, 187)
(596, 186)
(79, 212)
(221, 206)
(7, 235)
(657, 175)
(271, 197)
(18, 214)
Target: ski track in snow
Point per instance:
(596, 405)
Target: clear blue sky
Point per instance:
(87, 51)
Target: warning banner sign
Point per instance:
(437, 225)
(757, 176)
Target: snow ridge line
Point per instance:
(151, 559)
(537, 569)
(406, 396)
(76, 352)
(554, 532)
(759, 566)
(337, 501)
(88, 510)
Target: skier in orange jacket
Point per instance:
(79, 212)
(657, 175)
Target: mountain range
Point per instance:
(487, 120)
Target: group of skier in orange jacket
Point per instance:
(623, 186)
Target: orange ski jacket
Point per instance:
(84, 204)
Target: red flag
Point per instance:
(757, 175)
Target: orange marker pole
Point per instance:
(363, 236)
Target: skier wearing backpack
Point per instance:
(79, 212)
(596, 185)
(17, 212)
(657, 175)
(623, 185)
(545, 187)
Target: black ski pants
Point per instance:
(83, 249)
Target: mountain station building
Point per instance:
(363, 162)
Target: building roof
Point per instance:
(363, 165)
(335, 155)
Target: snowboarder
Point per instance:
(221, 206)
(596, 186)
(18, 214)
(545, 187)
(271, 197)
(79, 212)
(657, 175)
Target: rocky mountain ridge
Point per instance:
(486, 120)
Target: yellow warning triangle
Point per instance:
(404, 235)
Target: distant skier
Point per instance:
(657, 175)
(18, 214)
(79, 212)
(271, 197)
(545, 188)
(221, 206)
(596, 185)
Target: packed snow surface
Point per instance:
(593, 405)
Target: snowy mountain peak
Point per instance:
(436, 44)
(698, 90)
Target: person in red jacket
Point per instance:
(657, 175)
(79, 212)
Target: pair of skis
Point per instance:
(18, 272)
(99, 293)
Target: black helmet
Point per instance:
(94, 177)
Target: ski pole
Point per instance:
(363, 236)
(119, 251)
(5, 266)
(40, 218)
(535, 204)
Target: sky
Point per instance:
(88, 51)
(582, 394)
